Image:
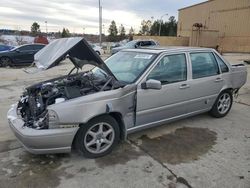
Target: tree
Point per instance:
(172, 25)
(112, 31)
(168, 28)
(122, 31)
(154, 30)
(35, 28)
(145, 27)
(131, 31)
(65, 33)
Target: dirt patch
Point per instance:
(184, 145)
(33, 171)
(121, 155)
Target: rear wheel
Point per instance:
(222, 104)
(5, 61)
(98, 137)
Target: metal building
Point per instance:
(217, 22)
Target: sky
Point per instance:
(82, 16)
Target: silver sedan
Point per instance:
(133, 90)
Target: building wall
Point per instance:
(229, 17)
(166, 41)
(234, 44)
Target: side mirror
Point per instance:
(151, 84)
(17, 50)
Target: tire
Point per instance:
(92, 142)
(98, 52)
(222, 104)
(5, 61)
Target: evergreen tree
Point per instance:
(35, 28)
(112, 31)
(131, 31)
(145, 27)
(122, 31)
(65, 33)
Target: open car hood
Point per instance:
(76, 48)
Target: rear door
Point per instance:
(206, 82)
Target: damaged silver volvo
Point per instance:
(133, 90)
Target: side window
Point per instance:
(145, 43)
(223, 66)
(170, 69)
(26, 48)
(38, 47)
(203, 64)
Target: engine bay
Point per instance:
(32, 107)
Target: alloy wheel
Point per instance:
(224, 103)
(99, 138)
(5, 61)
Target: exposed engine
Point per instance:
(32, 106)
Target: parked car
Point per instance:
(135, 44)
(133, 90)
(21, 55)
(97, 49)
(5, 47)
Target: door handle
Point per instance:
(218, 80)
(184, 86)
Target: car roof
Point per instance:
(158, 50)
(139, 40)
(34, 44)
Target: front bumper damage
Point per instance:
(58, 140)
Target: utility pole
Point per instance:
(46, 27)
(160, 23)
(103, 27)
(100, 23)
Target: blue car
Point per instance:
(5, 47)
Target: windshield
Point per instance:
(130, 44)
(127, 66)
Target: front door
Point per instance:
(25, 54)
(170, 101)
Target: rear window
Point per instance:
(223, 67)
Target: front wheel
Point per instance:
(222, 105)
(5, 61)
(98, 137)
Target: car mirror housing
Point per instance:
(17, 50)
(151, 84)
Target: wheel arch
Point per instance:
(117, 116)
(226, 89)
